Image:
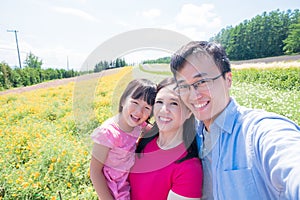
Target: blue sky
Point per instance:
(58, 31)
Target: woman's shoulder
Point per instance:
(190, 164)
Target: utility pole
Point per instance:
(17, 46)
(67, 63)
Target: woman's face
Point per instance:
(169, 111)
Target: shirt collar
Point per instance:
(227, 118)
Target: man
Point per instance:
(246, 153)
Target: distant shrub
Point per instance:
(276, 78)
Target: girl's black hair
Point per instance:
(189, 131)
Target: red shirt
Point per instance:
(155, 173)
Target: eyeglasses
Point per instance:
(201, 85)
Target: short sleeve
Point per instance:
(144, 124)
(103, 136)
(188, 179)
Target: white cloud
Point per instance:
(83, 1)
(192, 32)
(152, 13)
(53, 56)
(193, 15)
(59, 55)
(75, 12)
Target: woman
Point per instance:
(167, 165)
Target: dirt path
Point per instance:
(268, 60)
(58, 82)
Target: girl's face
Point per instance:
(135, 112)
(169, 111)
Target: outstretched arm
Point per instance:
(279, 152)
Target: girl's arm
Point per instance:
(99, 155)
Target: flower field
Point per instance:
(45, 133)
(45, 150)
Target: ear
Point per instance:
(228, 79)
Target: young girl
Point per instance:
(115, 141)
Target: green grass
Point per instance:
(155, 72)
(275, 77)
(260, 96)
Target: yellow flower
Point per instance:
(50, 167)
(63, 153)
(73, 169)
(36, 175)
(53, 160)
(25, 184)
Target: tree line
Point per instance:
(31, 74)
(270, 34)
(103, 64)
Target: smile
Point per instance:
(136, 119)
(164, 119)
(200, 105)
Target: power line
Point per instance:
(15, 31)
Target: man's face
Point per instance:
(210, 93)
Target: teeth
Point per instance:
(135, 118)
(164, 119)
(200, 105)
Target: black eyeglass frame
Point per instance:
(196, 84)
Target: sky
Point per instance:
(64, 33)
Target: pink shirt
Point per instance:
(155, 173)
(120, 158)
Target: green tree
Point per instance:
(263, 36)
(292, 42)
(16, 78)
(33, 61)
(5, 76)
